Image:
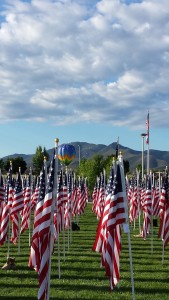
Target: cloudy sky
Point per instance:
(83, 70)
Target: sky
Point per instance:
(83, 71)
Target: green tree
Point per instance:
(126, 166)
(38, 159)
(17, 163)
(95, 166)
(1, 164)
(91, 169)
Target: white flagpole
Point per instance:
(138, 197)
(8, 252)
(162, 237)
(19, 240)
(126, 226)
(164, 219)
(19, 223)
(148, 161)
(71, 209)
(160, 184)
(30, 206)
(151, 220)
(68, 210)
(147, 142)
(63, 230)
(53, 208)
(9, 222)
(45, 168)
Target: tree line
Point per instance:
(19, 162)
(88, 168)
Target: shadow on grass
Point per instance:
(17, 298)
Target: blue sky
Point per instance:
(83, 70)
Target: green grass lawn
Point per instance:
(80, 274)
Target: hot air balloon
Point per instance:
(66, 153)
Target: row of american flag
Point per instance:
(55, 198)
(150, 198)
(146, 200)
(110, 206)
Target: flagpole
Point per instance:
(68, 211)
(162, 234)
(45, 167)
(30, 206)
(71, 206)
(147, 142)
(148, 160)
(126, 227)
(151, 224)
(143, 136)
(19, 224)
(138, 199)
(9, 216)
(160, 184)
(63, 223)
(54, 196)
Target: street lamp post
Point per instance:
(143, 136)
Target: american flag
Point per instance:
(112, 256)
(2, 195)
(101, 196)
(94, 196)
(82, 196)
(9, 189)
(142, 195)
(35, 194)
(18, 201)
(147, 208)
(117, 216)
(34, 259)
(155, 200)
(17, 207)
(75, 198)
(27, 206)
(134, 202)
(45, 235)
(62, 191)
(130, 189)
(162, 200)
(68, 206)
(5, 216)
(164, 216)
(108, 238)
(101, 234)
(62, 198)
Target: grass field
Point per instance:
(81, 275)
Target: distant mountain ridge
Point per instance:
(158, 159)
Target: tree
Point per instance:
(1, 164)
(94, 167)
(126, 166)
(17, 163)
(91, 169)
(38, 159)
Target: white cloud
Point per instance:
(71, 61)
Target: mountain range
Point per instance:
(158, 160)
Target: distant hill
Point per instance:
(158, 159)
